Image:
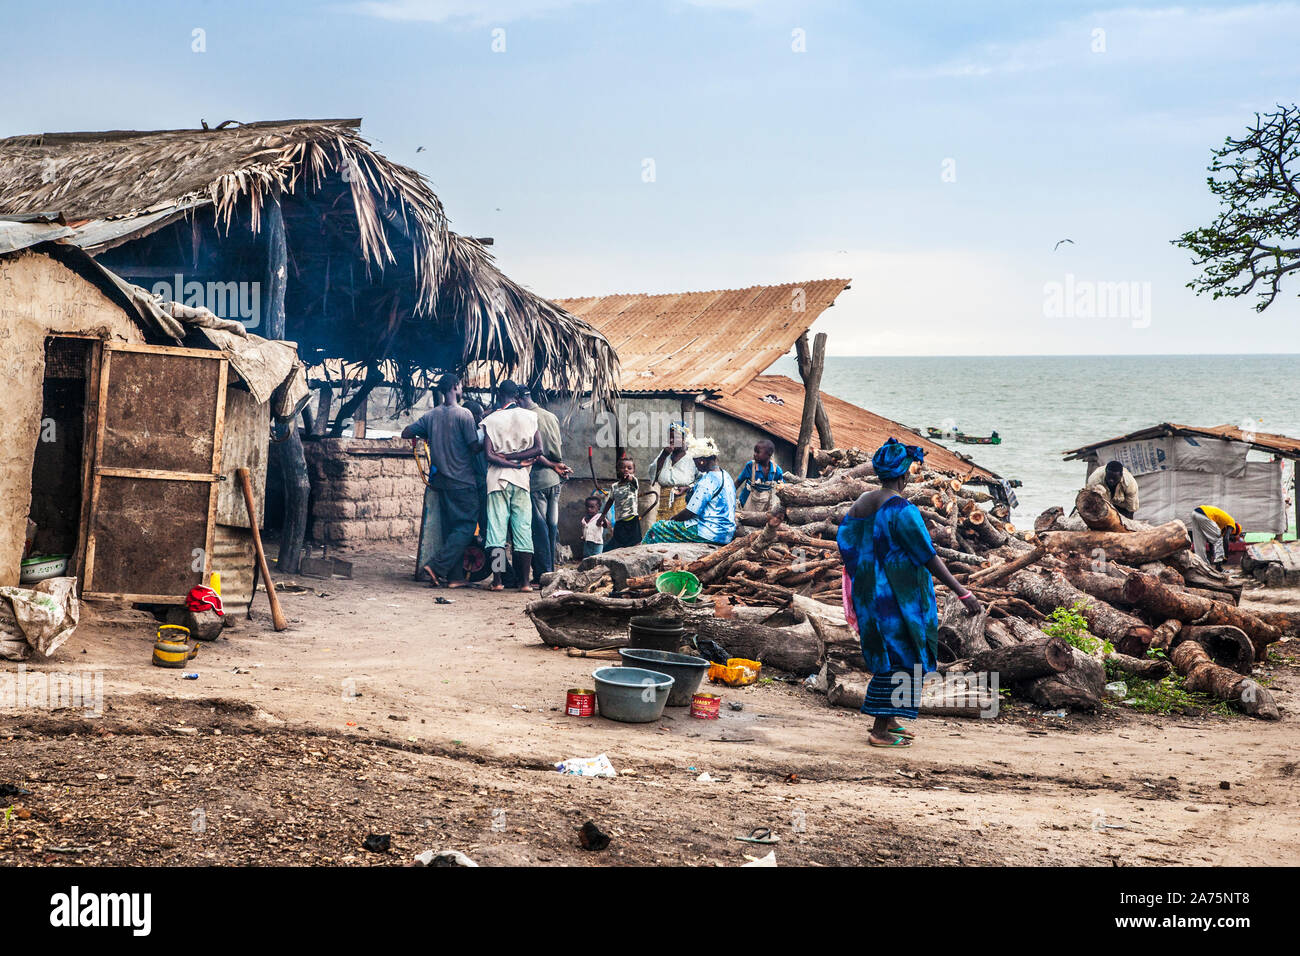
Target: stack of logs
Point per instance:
(1139, 587)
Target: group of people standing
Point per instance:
(500, 472)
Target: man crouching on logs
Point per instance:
(888, 563)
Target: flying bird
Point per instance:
(419, 149)
(1059, 242)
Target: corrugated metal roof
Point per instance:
(775, 404)
(696, 342)
(1281, 444)
(22, 235)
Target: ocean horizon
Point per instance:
(1043, 405)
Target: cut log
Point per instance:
(1203, 675)
(996, 573)
(1149, 668)
(1163, 601)
(592, 620)
(1164, 572)
(817, 513)
(573, 579)
(1104, 586)
(1165, 634)
(1021, 661)
(999, 634)
(938, 698)
(644, 560)
(1129, 547)
(1049, 520)
(984, 530)
(959, 633)
(833, 492)
(801, 540)
(1078, 688)
(796, 650)
(1227, 646)
(1048, 590)
(1098, 513)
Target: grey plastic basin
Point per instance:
(686, 671)
(632, 695)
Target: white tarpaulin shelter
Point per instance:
(1178, 468)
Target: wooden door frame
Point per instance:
(102, 369)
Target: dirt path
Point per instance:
(459, 719)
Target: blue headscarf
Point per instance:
(893, 458)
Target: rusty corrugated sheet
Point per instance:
(713, 341)
(244, 445)
(775, 404)
(1281, 444)
(233, 556)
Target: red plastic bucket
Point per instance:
(706, 706)
(579, 702)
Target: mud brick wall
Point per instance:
(363, 490)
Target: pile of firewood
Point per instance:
(1139, 587)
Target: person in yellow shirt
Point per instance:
(1212, 528)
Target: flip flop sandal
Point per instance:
(897, 742)
(760, 835)
(901, 731)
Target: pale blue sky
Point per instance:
(771, 165)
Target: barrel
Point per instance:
(656, 633)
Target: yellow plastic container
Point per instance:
(737, 672)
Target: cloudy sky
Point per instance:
(933, 152)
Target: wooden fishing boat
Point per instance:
(993, 439)
(942, 433)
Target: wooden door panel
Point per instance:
(157, 417)
(161, 418)
(153, 530)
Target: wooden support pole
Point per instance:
(293, 460)
(824, 437)
(812, 384)
(277, 615)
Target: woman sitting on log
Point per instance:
(710, 513)
(888, 563)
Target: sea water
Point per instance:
(1042, 406)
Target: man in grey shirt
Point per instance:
(451, 501)
(545, 483)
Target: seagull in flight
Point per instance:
(1059, 242)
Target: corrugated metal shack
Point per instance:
(126, 421)
(1180, 467)
(698, 357)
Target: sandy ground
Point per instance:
(459, 720)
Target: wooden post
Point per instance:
(824, 436)
(321, 425)
(812, 384)
(359, 418)
(293, 461)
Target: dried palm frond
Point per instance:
(457, 288)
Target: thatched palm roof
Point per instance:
(377, 279)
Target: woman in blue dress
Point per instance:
(888, 563)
